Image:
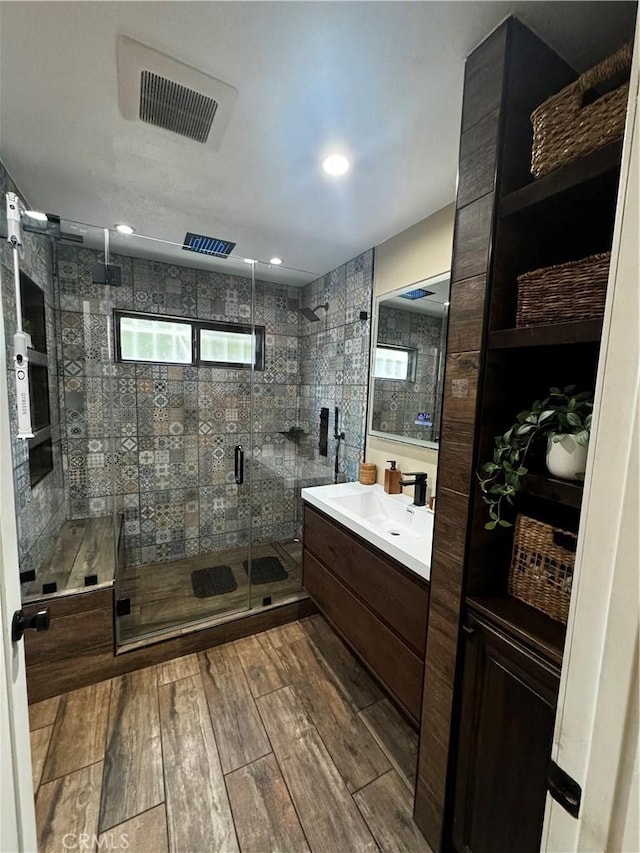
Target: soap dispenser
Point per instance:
(392, 479)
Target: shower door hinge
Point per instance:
(123, 607)
(107, 274)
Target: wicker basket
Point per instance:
(368, 473)
(563, 293)
(565, 129)
(542, 567)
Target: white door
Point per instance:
(596, 731)
(17, 818)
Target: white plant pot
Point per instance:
(566, 458)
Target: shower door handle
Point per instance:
(239, 464)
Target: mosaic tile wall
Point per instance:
(40, 511)
(396, 403)
(334, 357)
(175, 428)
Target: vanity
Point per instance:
(366, 563)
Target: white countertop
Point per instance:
(389, 522)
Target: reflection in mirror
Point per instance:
(408, 364)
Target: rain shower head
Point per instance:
(310, 313)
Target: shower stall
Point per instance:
(177, 396)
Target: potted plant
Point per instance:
(564, 420)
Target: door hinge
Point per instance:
(107, 274)
(564, 789)
(123, 607)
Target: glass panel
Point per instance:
(183, 432)
(232, 347)
(63, 476)
(160, 341)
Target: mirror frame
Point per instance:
(425, 282)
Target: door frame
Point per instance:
(596, 729)
(17, 811)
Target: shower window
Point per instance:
(141, 338)
(169, 340)
(231, 345)
(395, 363)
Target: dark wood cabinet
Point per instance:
(506, 728)
(378, 606)
(488, 701)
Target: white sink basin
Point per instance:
(389, 522)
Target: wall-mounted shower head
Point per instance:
(310, 313)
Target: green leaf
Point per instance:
(555, 391)
(523, 471)
(556, 437)
(548, 413)
(490, 525)
(574, 419)
(523, 429)
(569, 389)
(504, 523)
(582, 438)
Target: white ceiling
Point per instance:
(381, 81)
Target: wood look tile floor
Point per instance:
(162, 597)
(276, 743)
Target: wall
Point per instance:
(334, 363)
(40, 511)
(422, 251)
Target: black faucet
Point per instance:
(420, 483)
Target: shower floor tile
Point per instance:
(287, 787)
(162, 598)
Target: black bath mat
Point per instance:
(266, 570)
(214, 581)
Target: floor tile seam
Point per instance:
(280, 769)
(395, 764)
(101, 831)
(71, 772)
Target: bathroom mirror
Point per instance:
(407, 363)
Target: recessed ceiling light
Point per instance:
(36, 214)
(249, 261)
(336, 164)
(276, 261)
(125, 229)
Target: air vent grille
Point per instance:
(171, 106)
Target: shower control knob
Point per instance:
(39, 621)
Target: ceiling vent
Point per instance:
(162, 91)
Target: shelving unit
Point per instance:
(582, 178)
(558, 334)
(493, 665)
(562, 492)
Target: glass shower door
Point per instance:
(279, 440)
(184, 357)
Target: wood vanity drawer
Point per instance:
(387, 656)
(392, 591)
